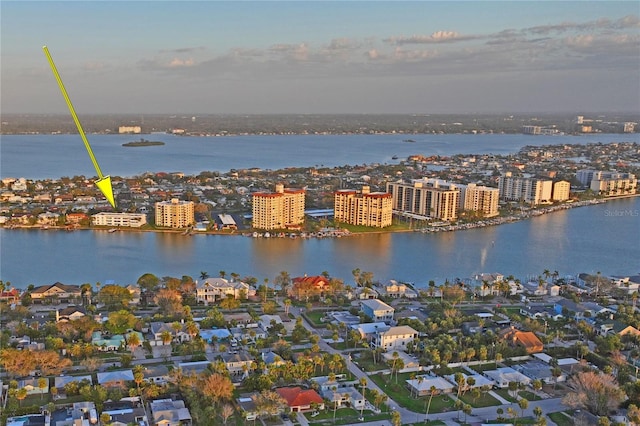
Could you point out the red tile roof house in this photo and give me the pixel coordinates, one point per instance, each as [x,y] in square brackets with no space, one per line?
[300,400]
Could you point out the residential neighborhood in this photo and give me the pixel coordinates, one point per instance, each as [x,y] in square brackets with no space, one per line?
[320,350]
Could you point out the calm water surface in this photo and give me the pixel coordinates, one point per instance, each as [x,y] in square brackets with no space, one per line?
[602,238]
[598,238]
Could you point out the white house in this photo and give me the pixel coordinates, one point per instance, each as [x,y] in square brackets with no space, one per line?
[213,289]
[395,338]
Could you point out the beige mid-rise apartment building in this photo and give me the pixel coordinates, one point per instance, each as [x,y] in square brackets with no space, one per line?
[175,213]
[281,209]
[425,198]
[561,190]
[481,199]
[363,208]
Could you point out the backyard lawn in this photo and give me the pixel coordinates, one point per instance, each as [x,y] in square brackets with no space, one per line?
[400,394]
[485,400]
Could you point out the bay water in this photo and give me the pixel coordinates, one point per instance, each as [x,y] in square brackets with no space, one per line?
[603,237]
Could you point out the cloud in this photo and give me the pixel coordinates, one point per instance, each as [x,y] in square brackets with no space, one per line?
[183,50]
[436,37]
[175,62]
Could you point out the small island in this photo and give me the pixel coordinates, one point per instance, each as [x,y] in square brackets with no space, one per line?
[143,142]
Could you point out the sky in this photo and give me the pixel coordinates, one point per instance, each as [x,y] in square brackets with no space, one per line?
[330,57]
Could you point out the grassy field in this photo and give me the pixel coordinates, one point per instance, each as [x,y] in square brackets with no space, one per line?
[368,365]
[529,396]
[344,416]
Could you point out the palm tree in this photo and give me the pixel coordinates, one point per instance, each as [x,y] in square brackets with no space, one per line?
[287,305]
[223,274]
[363,387]
[133,341]
[204,275]
[166,337]
[432,392]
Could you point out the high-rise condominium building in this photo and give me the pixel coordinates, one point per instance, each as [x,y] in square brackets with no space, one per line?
[175,213]
[278,210]
[480,199]
[532,191]
[363,208]
[426,198]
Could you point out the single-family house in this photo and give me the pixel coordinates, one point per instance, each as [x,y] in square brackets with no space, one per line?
[115,378]
[32,385]
[525,339]
[478,380]
[308,286]
[240,319]
[537,370]
[300,400]
[368,330]
[70,313]
[57,292]
[247,405]
[10,296]
[156,330]
[156,373]
[395,290]
[210,290]
[344,396]
[60,381]
[266,320]
[168,412]
[377,310]
[239,364]
[422,385]
[502,376]
[395,338]
[126,416]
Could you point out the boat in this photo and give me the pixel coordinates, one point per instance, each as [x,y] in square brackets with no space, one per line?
[408,140]
[112,230]
[143,142]
[395,157]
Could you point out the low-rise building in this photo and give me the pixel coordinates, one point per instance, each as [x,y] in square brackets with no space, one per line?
[125,220]
[57,292]
[377,310]
[167,412]
[395,338]
[396,290]
[299,400]
[211,290]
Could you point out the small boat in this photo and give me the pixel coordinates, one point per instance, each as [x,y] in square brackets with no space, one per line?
[395,157]
[112,230]
[408,140]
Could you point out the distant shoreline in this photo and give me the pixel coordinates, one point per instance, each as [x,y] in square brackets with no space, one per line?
[494,221]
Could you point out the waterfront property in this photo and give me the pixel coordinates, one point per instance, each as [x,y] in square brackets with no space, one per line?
[127,220]
[210,290]
[175,213]
[56,292]
[426,198]
[281,209]
[364,208]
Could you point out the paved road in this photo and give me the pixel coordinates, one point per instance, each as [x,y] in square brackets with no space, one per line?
[408,416]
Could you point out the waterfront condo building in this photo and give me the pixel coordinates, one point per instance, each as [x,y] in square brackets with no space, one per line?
[611,184]
[278,210]
[127,220]
[377,310]
[363,208]
[532,191]
[480,199]
[425,198]
[561,190]
[175,213]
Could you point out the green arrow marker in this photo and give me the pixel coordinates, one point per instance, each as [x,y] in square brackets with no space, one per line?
[104,182]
